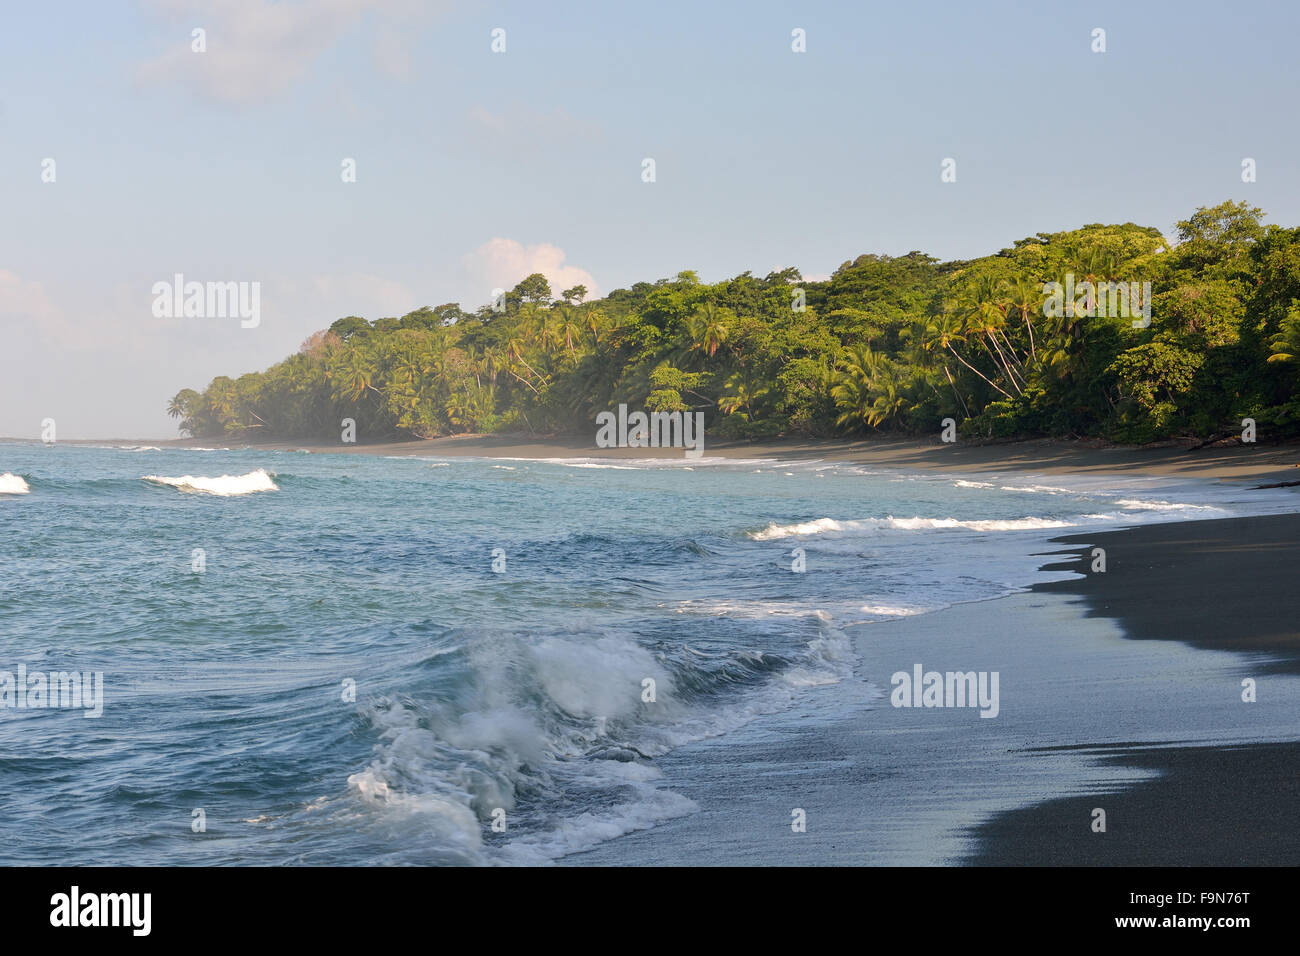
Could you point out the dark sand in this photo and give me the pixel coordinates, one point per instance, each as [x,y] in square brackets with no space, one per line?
[1211,806]
[1152,731]
[1254,463]
[1228,584]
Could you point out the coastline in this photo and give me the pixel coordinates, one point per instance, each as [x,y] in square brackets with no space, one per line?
[1237,463]
[1219,583]
[1151,730]
[1119,690]
[1225,584]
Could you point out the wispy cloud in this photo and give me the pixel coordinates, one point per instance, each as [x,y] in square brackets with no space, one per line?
[257,50]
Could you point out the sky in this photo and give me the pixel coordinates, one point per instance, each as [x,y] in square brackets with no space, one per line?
[475,168]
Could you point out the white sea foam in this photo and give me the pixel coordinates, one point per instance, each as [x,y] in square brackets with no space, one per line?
[541,706]
[13,484]
[224,486]
[803,677]
[1039,489]
[564,712]
[645,464]
[817,526]
[746,609]
[649,807]
[595,464]
[831,525]
[890,610]
[1136,504]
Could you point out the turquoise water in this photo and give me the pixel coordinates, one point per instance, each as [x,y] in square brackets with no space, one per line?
[518,696]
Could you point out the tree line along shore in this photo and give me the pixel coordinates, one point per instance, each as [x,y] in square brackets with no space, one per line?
[886,345]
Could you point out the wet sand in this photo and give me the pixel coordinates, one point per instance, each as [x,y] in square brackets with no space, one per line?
[1120,690]
[1226,585]
[1255,463]
[1121,693]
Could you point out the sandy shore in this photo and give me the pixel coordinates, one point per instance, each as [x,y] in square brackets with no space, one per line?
[1151,730]
[1227,584]
[1120,690]
[1209,806]
[1254,463]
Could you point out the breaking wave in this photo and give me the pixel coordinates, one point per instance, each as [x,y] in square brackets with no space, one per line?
[13,484]
[1135,504]
[560,732]
[831,525]
[225,485]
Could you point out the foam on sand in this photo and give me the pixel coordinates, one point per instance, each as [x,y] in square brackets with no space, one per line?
[830,525]
[11,484]
[1136,504]
[224,486]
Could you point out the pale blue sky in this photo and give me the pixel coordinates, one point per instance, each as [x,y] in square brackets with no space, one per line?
[475,168]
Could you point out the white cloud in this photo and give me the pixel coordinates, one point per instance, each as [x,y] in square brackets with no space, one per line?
[501,263]
[257,49]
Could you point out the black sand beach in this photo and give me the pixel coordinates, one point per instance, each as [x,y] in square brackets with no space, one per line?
[1184,612]
[1255,463]
[1210,806]
[1151,730]
[1228,585]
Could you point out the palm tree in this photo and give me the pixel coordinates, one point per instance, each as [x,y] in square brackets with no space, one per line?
[989,305]
[594,323]
[944,331]
[182,402]
[353,371]
[868,388]
[1027,298]
[569,328]
[707,329]
[515,350]
[546,332]
[494,359]
[1286,344]
[933,334]
[1094,265]
[746,389]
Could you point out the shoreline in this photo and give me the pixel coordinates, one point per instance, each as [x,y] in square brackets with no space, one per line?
[1095,713]
[1217,583]
[1120,690]
[1223,584]
[1254,464]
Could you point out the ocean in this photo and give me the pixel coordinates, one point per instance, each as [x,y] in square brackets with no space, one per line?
[359,659]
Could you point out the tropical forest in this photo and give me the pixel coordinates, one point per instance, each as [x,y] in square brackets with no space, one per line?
[885,345]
